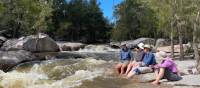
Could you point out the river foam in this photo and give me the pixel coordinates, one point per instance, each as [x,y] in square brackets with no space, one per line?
[53,74]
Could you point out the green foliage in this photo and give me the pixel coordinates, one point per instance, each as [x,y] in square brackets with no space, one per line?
[135,20]
[153,18]
[80,20]
[24,17]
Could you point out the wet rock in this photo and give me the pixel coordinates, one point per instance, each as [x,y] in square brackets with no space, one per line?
[41,43]
[69,46]
[73,54]
[8,59]
[2,40]
[115,44]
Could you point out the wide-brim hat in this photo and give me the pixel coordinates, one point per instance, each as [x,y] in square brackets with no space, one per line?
[147,46]
[141,45]
[162,54]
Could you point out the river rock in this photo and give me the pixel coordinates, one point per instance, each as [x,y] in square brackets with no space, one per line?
[14,44]
[186,67]
[162,42]
[8,59]
[41,43]
[188,80]
[69,46]
[2,40]
[186,47]
[115,45]
[146,77]
[132,43]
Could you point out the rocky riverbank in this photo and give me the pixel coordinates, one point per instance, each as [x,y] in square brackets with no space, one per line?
[190,77]
[42,47]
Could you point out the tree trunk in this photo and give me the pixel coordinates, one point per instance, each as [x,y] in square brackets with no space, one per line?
[195,47]
[180,35]
[172,40]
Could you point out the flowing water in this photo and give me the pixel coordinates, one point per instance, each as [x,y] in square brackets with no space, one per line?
[66,73]
[98,48]
[69,73]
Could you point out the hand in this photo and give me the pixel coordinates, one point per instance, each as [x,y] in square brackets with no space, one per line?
[155,66]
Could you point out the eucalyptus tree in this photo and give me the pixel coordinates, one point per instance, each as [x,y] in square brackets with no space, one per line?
[26,16]
[196,30]
[134,20]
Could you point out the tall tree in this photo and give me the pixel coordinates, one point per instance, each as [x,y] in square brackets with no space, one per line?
[26,16]
[134,20]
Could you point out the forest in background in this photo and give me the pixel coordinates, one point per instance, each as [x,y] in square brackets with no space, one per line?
[83,20]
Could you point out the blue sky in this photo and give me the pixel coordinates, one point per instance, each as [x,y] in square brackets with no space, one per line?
[107,7]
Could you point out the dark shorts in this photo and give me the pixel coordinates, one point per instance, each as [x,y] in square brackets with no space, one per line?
[169,75]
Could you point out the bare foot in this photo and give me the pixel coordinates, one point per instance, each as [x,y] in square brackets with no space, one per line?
[155,83]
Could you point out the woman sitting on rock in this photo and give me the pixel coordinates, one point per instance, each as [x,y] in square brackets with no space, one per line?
[167,69]
[138,57]
[145,65]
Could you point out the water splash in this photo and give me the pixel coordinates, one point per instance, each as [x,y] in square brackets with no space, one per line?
[98,48]
[53,74]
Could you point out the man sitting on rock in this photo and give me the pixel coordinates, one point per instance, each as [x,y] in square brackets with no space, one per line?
[146,64]
[125,58]
[166,69]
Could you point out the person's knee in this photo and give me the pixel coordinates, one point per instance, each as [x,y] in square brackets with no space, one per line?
[124,66]
[118,66]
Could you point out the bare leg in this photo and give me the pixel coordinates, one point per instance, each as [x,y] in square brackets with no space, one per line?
[129,68]
[159,76]
[123,69]
[118,68]
[130,74]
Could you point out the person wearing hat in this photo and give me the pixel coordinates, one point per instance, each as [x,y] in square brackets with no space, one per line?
[138,57]
[125,57]
[145,65]
[166,69]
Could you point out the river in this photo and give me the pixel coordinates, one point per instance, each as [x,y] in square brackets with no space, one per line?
[68,73]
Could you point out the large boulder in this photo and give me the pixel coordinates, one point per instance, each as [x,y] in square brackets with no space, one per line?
[2,40]
[8,59]
[162,42]
[69,46]
[132,43]
[115,44]
[14,44]
[40,43]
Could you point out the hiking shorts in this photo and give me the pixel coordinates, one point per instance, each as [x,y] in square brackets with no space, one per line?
[169,75]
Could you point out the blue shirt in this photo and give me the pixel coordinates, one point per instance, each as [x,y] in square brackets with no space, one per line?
[125,55]
[149,59]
